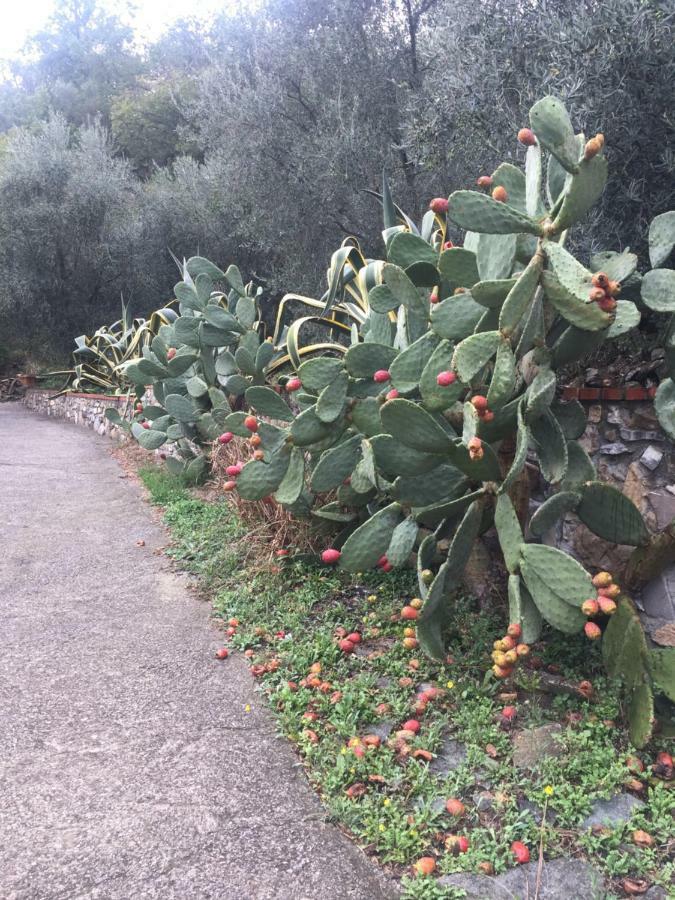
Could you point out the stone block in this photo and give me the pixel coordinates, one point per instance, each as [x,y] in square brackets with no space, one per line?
[651,457]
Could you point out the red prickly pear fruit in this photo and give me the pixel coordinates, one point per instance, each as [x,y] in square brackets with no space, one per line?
[387,567]
[426,865]
[381,376]
[170,353]
[479,403]
[485,181]
[293,384]
[526,137]
[514,630]
[409,612]
[596,295]
[499,194]
[590,607]
[330,556]
[457,843]
[382,561]
[592,631]
[455,807]
[233,471]
[222,653]
[614,288]
[475,447]
[354,637]
[225,438]
[439,205]
[411,725]
[522,650]
[162,455]
[448,245]
[229,486]
[508,643]
[602,580]
[255,440]
[594,146]
[607,605]
[139,407]
[251,423]
[445,379]
[392,394]
[280,554]
[509,713]
[586,688]
[346,646]
[145,425]
[488,416]
[607,304]
[521,853]
[433,296]
[601,280]
[612,591]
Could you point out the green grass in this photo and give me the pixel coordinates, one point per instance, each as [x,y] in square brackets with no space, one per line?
[291,616]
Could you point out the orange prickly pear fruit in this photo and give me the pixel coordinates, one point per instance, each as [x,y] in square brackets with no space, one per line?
[602,579]
[526,137]
[601,280]
[485,181]
[499,194]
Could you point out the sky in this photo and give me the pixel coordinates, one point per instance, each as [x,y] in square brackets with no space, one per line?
[152,17]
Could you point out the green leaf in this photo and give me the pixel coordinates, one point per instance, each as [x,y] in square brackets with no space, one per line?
[658,290]
[480,213]
[626,317]
[406,369]
[405,249]
[456,317]
[402,542]
[520,296]
[180,408]
[259,479]
[290,489]
[557,506]
[148,438]
[364,547]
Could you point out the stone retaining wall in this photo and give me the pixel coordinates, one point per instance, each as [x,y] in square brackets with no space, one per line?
[81,409]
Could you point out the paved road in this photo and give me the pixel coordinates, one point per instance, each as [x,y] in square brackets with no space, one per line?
[129,768]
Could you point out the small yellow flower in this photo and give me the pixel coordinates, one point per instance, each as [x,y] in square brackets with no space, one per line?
[450,685]
[548,790]
[343,751]
[247,708]
[381,827]
[413,832]
[386,801]
[372,598]
[352,771]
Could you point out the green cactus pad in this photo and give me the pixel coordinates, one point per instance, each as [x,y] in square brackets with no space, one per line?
[402,288]
[264,356]
[624,649]
[393,458]
[431,487]
[540,394]
[567,287]
[533,170]
[566,577]
[571,417]
[496,254]
[245,361]
[315,374]
[435,397]
[425,560]
[273,437]
[406,370]
[458,268]
[664,404]
[485,469]
[347,496]
[332,398]
[180,408]
[175,466]
[196,471]
[617,266]
[553,128]
[491,294]
[626,317]
[414,427]
[480,213]
[236,385]
[523,611]
[402,542]
[382,300]
[207,428]
[308,428]
[335,512]
[550,445]
[611,515]
[503,381]
[661,238]
[363,360]
[370,541]
[435,610]
[336,464]
[293,483]
[148,438]
[520,453]
[406,249]
[186,331]
[557,506]
[184,358]
[520,296]
[509,532]
[580,468]
[532,334]
[583,191]
[175,432]
[658,290]
[423,274]
[641,714]
[456,317]
[260,479]
[574,344]
[474,353]
[431,516]
[556,611]
[366,417]
[268,403]
[512,180]
[662,667]
[557,180]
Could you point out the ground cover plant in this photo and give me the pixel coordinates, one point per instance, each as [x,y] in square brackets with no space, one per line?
[417,436]
[414,757]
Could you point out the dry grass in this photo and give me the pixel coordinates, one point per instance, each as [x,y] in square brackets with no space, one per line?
[269,526]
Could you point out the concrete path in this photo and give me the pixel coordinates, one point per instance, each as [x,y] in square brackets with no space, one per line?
[129,768]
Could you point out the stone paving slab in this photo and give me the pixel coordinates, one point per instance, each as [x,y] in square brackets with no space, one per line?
[129,767]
